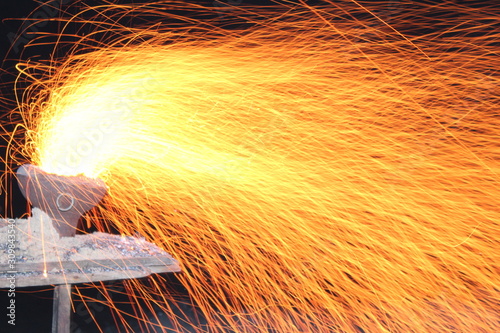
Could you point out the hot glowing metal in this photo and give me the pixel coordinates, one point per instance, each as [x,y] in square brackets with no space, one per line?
[65,199]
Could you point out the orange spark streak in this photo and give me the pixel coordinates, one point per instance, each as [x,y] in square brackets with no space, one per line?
[305,183]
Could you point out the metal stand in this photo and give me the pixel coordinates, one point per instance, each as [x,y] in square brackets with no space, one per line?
[61,315]
[64,274]
[64,199]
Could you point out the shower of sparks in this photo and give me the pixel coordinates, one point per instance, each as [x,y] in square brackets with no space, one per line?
[316,170]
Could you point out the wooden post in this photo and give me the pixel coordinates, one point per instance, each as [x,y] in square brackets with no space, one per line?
[61,313]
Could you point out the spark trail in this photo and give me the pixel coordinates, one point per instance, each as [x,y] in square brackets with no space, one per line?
[316,170]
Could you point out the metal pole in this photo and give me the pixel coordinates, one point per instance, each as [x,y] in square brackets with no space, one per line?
[61,314]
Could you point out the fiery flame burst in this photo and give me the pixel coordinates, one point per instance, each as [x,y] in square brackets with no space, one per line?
[314,169]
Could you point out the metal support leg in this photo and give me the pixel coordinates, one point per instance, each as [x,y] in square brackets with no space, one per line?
[61,314]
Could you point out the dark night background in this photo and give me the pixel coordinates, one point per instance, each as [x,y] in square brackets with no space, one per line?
[34,305]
